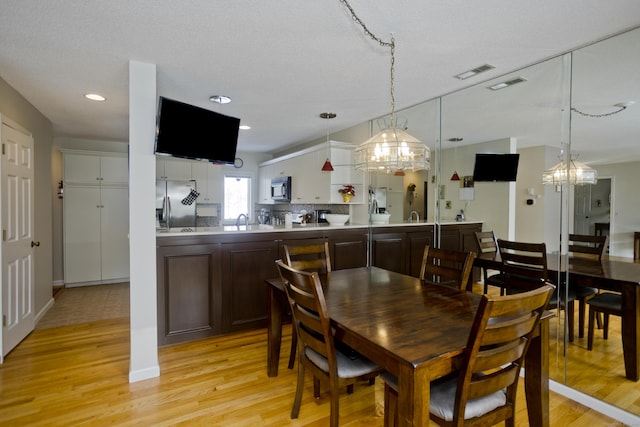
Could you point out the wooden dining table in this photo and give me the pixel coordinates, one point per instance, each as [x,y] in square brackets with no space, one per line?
[415,330]
[610,273]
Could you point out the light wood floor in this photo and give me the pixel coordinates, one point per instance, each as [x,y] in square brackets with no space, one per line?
[78,375]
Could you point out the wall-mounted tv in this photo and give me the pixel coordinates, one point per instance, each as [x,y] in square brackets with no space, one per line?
[495,167]
[192,132]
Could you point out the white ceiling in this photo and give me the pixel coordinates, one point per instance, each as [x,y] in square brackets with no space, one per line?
[282,62]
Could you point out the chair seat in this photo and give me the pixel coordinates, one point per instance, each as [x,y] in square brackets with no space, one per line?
[607,302]
[496,280]
[443,396]
[348,366]
[571,296]
[583,291]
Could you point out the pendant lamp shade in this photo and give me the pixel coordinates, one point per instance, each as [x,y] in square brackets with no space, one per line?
[391,150]
[327,167]
[578,173]
[455,176]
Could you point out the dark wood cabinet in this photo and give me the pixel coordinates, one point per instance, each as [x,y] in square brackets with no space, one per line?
[416,243]
[214,284]
[245,266]
[189,292]
[388,251]
[348,249]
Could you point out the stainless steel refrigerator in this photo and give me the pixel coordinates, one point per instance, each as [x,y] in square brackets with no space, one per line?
[176,203]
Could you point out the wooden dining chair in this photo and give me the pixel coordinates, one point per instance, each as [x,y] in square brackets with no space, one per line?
[487,244]
[525,268]
[588,246]
[308,257]
[316,347]
[483,392]
[607,303]
[447,267]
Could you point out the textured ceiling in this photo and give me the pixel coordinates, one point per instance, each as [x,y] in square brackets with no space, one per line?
[282,62]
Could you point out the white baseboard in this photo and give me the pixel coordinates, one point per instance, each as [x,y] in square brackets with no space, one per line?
[627,418]
[144,374]
[44,310]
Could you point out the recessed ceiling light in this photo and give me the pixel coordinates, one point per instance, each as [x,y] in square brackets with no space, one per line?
[245,127]
[94,97]
[507,83]
[220,99]
[475,71]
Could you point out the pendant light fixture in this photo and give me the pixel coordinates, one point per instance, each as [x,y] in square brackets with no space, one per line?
[392,149]
[327,167]
[575,174]
[455,176]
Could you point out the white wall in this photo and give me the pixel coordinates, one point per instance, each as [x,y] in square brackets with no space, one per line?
[625,205]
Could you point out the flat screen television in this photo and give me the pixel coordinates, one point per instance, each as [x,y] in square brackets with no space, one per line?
[192,132]
[495,167]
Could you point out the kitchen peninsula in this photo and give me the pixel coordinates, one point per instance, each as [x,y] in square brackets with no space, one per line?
[211,280]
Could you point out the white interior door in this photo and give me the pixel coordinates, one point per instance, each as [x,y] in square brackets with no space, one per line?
[18,318]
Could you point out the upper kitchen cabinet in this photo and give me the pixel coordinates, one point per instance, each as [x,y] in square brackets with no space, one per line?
[309,183]
[209,181]
[173,169]
[96,168]
[387,180]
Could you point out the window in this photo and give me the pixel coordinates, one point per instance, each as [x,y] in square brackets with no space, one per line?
[237,197]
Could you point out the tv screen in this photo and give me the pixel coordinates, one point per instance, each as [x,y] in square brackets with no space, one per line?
[495,167]
[192,132]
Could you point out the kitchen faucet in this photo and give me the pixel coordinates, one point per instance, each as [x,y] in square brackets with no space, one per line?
[246,220]
[411,216]
[374,206]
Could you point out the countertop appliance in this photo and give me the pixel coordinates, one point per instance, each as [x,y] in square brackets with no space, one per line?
[176,203]
[321,215]
[281,189]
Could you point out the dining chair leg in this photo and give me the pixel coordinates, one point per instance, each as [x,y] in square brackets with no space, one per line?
[294,347]
[592,318]
[335,406]
[316,387]
[605,327]
[581,312]
[571,319]
[295,411]
[390,406]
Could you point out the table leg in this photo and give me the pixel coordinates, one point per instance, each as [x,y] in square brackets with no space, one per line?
[274,332]
[413,397]
[536,379]
[631,329]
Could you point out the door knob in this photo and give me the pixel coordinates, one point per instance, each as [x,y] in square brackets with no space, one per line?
[36,243]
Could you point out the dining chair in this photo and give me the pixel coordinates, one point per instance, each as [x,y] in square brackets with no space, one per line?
[525,267]
[317,350]
[588,246]
[487,244]
[607,303]
[483,391]
[307,257]
[447,267]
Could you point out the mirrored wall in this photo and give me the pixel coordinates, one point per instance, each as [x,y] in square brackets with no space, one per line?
[560,107]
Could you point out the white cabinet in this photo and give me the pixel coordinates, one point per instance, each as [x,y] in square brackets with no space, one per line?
[173,169]
[209,181]
[311,185]
[387,180]
[92,169]
[96,219]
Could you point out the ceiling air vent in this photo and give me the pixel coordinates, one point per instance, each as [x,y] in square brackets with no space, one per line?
[507,83]
[475,71]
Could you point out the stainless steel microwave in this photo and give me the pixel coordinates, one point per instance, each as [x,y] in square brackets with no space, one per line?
[281,189]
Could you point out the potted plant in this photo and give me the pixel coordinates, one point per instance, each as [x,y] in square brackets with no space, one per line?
[347,191]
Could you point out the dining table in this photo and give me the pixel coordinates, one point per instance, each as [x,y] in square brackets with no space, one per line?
[615,274]
[415,330]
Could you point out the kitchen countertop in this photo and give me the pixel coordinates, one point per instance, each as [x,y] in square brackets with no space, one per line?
[262,228]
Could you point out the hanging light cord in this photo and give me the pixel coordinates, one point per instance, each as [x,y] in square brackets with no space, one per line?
[624,107]
[391,44]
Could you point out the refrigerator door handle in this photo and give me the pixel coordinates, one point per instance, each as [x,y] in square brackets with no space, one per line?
[168,211]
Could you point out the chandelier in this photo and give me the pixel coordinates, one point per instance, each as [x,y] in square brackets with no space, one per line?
[576,173]
[392,149]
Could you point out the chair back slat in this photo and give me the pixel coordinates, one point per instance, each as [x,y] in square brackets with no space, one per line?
[486,241]
[588,245]
[448,267]
[524,264]
[313,257]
